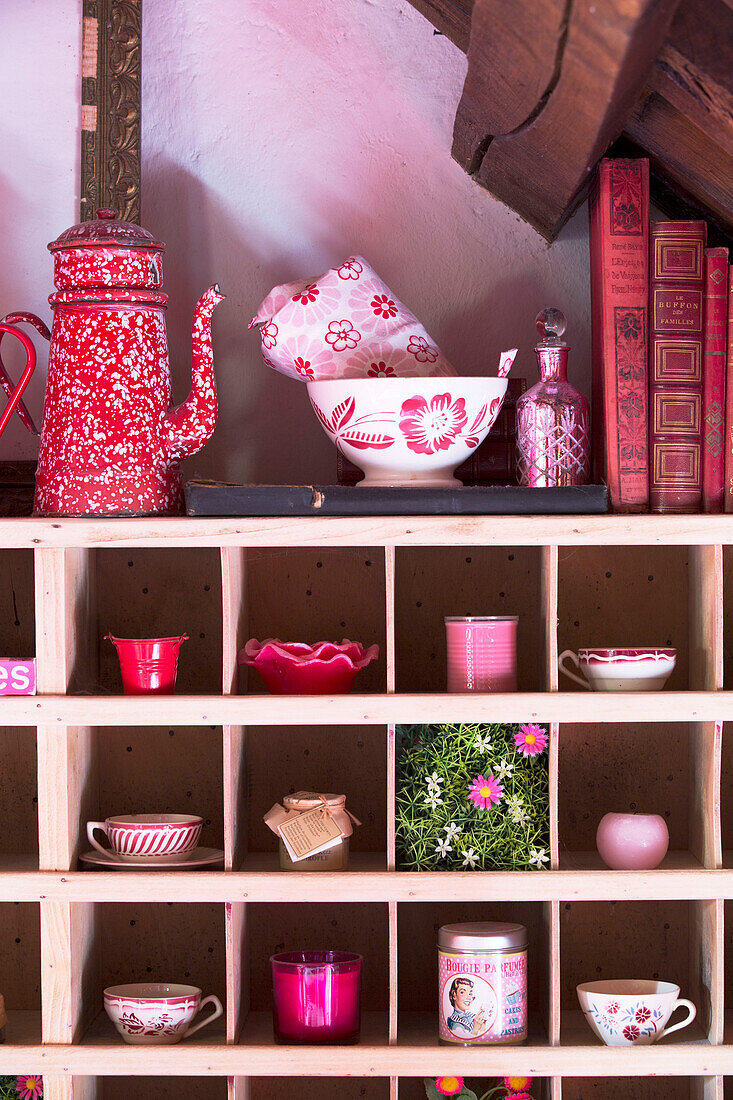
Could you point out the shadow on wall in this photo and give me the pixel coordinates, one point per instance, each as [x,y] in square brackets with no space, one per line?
[266,424]
[15,245]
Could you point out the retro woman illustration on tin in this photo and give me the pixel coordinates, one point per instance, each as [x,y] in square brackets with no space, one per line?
[463,1022]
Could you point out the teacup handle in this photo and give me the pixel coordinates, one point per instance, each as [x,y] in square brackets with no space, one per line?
[566,671]
[691,1014]
[218,1011]
[91,826]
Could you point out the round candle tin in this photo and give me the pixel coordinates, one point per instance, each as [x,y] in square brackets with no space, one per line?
[481,652]
[482,983]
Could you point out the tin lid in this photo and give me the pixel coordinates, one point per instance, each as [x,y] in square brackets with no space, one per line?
[482,936]
[106,230]
[481,619]
[308,800]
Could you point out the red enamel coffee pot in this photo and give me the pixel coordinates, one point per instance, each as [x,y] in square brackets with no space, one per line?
[110,442]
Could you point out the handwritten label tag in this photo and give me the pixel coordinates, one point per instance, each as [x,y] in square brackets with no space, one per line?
[308,833]
[17,677]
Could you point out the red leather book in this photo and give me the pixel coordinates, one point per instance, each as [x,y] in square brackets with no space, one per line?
[619,267]
[728,438]
[492,463]
[715,323]
[677,257]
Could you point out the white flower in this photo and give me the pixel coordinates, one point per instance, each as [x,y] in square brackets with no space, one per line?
[453,829]
[504,769]
[433,799]
[514,804]
[434,780]
[443,847]
[520,817]
[483,744]
[470,858]
[538,857]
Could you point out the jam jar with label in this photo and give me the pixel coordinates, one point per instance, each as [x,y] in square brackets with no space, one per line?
[332,859]
[482,983]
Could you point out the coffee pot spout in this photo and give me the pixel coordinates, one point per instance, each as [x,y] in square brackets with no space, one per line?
[190,425]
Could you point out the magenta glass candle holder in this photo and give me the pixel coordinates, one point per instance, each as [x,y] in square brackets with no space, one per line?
[482,652]
[316,996]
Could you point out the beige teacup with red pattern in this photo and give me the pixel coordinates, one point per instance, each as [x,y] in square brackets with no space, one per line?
[144,838]
[152,1014]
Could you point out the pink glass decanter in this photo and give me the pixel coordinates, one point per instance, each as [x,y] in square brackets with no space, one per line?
[553,419]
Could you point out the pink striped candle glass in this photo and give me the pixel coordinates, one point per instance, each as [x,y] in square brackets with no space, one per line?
[316,996]
[137,838]
[482,652]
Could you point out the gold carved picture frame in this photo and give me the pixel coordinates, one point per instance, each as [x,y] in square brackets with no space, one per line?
[111,108]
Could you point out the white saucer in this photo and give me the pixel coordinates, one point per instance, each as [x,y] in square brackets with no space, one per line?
[200,857]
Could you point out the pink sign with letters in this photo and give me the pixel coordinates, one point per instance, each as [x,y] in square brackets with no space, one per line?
[17,677]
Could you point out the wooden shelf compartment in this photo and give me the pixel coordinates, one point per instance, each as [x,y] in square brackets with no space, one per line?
[433,582]
[417,965]
[125,770]
[645,768]
[649,1088]
[20,969]
[726,794]
[652,596]
[152,1088]
[18,801]
[675,941]
[17,605]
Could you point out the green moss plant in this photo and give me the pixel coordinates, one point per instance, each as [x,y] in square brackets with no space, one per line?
[473,797]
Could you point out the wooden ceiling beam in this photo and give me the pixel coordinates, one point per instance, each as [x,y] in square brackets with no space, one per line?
[550,84]
[682,118]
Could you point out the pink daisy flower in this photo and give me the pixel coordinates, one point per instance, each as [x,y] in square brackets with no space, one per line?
[518,1084]
[530,740]
[485,791]
[29,1086]
[449,1086]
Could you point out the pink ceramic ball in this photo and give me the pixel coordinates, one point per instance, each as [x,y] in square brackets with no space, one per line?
[632,842]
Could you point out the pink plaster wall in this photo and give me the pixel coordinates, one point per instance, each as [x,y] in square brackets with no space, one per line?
[278,137]
[40,92]
[281,135]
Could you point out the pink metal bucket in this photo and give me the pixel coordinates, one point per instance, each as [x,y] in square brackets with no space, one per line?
[482,653]
[148,665]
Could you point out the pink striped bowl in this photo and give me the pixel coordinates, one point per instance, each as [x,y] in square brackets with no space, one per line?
[136,838]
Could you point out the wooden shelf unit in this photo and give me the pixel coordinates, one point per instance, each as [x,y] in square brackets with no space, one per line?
[388,580]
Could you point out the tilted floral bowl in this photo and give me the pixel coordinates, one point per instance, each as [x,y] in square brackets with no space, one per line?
[296,668]
[407,431]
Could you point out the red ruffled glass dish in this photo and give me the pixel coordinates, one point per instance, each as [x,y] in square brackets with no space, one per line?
[296,668]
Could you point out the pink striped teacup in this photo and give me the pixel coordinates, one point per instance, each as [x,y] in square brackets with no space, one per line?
[141,838]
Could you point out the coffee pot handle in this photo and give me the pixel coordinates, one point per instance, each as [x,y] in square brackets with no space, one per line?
[15,392]
[568,653]
[15,319]
[218,1011]
[691,1014]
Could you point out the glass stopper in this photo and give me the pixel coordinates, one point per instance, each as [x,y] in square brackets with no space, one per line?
[551,324]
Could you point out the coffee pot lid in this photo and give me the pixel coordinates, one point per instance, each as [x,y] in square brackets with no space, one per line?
[106,229]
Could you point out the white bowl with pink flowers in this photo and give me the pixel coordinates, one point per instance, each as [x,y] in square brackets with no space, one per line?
[407,431]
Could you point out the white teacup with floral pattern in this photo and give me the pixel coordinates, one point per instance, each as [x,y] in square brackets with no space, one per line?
[153,1013]
[633,1012]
